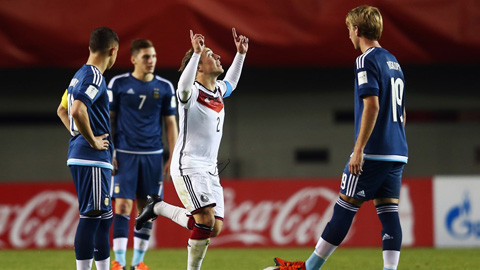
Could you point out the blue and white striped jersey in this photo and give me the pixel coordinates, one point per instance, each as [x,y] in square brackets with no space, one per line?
[88,85]
[378,73]
[139,107]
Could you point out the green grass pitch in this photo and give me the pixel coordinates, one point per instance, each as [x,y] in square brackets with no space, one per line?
[257,258]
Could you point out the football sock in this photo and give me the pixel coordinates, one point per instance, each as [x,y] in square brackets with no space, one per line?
[198,245]
[120,250]
[178,215]
[314,262]
[85,238]
[390,259]
[102,241]
[120,237]
[337,228]
[322,251]
[84,264]
[391,234]
[103,264]
[140,243]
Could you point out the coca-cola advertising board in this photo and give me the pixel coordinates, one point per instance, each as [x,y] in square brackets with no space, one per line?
[258,213]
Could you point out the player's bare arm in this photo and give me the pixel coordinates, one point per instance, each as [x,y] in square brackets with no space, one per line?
[63,115]
[369,118]
[62,111]
[113,122]
[80,116]
[172,135]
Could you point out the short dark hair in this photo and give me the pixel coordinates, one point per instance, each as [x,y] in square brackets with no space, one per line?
[138,44]
[102,39]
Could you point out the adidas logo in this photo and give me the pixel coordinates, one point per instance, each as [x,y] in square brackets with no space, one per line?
[361,193]
[130,91]
[386,237]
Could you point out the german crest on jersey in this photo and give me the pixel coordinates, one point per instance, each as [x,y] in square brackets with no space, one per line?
[214,103]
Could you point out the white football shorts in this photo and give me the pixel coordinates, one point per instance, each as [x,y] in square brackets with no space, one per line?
[198,190]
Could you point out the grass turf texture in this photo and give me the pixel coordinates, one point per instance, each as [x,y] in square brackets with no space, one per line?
[257,259]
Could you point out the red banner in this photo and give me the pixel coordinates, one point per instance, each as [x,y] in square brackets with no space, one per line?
[259,213]
[39,33]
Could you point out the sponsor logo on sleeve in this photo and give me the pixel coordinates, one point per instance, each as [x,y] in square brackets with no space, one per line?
[91,91]
[362,77]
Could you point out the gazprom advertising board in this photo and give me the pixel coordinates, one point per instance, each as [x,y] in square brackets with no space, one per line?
[456,211]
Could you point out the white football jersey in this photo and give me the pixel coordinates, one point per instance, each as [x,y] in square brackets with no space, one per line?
[201,127]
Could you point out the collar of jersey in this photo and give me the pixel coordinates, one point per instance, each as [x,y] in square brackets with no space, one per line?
[206,90]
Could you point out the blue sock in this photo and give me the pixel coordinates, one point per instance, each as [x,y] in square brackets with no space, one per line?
[120,230]
[120,226]
[314,262]
[138,256]
[337,228]
[392,231]
[85,238]
[102,241]
[141,235]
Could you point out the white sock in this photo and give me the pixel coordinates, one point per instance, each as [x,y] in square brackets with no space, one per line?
[196,252]
[84,264]
[120,243]
[176,214]
[120,249]
[391,258]
[323,249]
[103,264]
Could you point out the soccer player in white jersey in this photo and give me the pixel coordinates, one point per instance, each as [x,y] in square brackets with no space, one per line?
[374,171]
[90,150]
[141,103]
[194,163]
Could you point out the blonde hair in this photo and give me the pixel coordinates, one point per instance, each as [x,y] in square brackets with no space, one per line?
[368,20]
[187,57]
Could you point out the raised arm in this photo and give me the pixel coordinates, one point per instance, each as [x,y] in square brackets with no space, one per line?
[189,73]
[235,70]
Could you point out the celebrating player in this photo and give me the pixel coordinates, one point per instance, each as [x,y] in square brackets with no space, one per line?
[375,168]
[140,100]
[194,163]
[90,150]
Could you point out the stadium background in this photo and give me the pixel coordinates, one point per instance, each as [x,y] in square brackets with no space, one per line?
[291,117]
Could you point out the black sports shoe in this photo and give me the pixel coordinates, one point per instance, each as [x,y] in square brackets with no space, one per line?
[147,212]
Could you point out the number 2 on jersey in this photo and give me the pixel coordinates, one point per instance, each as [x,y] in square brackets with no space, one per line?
[397,97]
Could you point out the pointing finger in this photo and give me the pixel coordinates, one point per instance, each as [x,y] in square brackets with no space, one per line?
[234,32]
[191,34]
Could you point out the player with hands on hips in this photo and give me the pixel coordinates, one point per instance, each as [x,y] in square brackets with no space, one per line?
[194,162]
[90,151]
